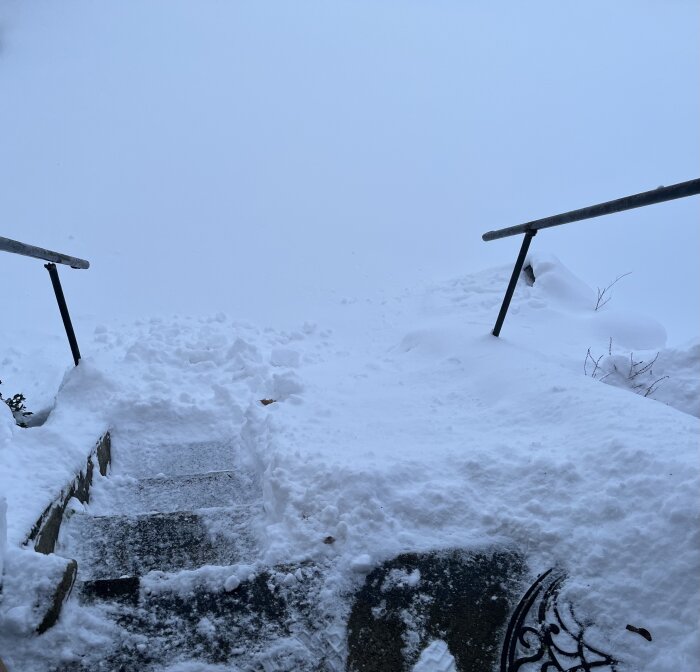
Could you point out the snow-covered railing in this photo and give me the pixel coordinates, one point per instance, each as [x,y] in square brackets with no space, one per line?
[530,229]
[15,247]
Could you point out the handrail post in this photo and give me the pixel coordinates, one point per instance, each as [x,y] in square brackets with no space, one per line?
[61,299]
[529,235]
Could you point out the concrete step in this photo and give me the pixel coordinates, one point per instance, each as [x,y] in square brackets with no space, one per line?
[167,494]
[115,546]
[268,621]
[178,459]
[293,618]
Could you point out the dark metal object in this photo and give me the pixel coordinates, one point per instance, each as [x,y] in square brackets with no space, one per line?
[14,246]
[529,235]
[542,637]
[681,190]
[56,282]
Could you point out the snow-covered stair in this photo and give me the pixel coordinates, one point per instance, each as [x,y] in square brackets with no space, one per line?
[266,621]
[114,546]
[167,552]
[166,494]
[172,459]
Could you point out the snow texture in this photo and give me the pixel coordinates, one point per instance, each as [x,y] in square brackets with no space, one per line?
[409,427]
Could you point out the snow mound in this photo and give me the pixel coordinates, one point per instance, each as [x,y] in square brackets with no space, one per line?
[408,426]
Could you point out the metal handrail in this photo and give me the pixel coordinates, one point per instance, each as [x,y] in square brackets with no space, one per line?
[15,247]
[680,190]
[530,229]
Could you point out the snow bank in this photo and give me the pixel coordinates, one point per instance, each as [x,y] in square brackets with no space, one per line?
[431,433]
[150,382]
[669,375]
[7,429]
[407,426]
[38,462]
[3,534]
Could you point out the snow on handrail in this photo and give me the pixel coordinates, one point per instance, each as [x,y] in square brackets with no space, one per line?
[680,190]
[15,247]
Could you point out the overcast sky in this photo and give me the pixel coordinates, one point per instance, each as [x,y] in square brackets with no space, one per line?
[269,158]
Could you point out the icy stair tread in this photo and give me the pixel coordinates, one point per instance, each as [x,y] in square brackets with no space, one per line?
[178,459]
[167,494]
[115,546]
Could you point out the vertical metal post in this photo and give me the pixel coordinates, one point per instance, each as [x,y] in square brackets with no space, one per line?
[56,282]
[529,235]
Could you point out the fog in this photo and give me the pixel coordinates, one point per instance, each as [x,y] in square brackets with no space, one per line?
[269,159]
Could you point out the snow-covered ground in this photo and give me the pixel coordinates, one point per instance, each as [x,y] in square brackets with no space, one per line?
[405,425]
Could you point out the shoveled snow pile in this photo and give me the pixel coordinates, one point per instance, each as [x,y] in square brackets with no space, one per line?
[402,424]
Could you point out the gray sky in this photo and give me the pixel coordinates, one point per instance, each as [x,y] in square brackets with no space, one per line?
[265,158]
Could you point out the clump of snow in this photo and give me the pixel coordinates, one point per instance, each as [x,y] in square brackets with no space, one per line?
[27,590]
[7,429]
[7,424]
[362,564]
[398,578]
[559,284]
[231,583]
[209,577]
[436,657]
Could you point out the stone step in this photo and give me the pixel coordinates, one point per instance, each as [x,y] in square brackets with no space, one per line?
[115,546]
[167,494]
[268,620]
[177,459]
[447,609]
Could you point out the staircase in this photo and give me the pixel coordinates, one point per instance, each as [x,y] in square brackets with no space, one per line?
[167,553]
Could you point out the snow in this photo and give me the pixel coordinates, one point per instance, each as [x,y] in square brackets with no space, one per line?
[3,532]
[407,426]
[435,657]
[296,167]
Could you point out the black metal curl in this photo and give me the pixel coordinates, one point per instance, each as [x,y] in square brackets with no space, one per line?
[540,639]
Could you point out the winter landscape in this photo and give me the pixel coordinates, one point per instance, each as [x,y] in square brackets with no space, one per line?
[320,458]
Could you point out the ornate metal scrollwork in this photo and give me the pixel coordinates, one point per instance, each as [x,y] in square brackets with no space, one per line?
[542,636]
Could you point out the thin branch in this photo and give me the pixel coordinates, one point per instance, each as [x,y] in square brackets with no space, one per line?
[648,366]
[602,292]
[633,364]
[596,363]
[652,389]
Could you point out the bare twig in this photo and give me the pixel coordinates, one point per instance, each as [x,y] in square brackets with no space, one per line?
[633,364]
[651,389]
[602,298]
[596,363]
[637,368]
[646,367]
